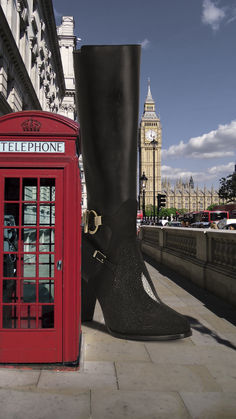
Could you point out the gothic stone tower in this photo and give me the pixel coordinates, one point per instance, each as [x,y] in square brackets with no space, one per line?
[150,129]
[67,43]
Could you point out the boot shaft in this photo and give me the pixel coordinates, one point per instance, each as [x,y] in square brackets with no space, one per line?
[107,82]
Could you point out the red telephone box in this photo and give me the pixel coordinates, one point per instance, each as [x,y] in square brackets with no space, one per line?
[40,218]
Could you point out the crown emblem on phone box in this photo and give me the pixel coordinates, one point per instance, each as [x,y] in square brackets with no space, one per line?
[31,125]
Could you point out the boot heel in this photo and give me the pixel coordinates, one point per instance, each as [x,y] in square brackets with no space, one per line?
[88,301]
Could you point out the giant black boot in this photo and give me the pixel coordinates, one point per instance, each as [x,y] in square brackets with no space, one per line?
[113,271]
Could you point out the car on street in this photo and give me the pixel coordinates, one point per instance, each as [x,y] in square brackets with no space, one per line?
[225,223]
[231,227]
[174,224]
[200,224]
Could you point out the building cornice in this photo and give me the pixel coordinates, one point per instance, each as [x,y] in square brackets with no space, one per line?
[16,59]
[4,105]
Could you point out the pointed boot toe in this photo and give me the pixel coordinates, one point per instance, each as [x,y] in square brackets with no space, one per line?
[135,310]
[130,304]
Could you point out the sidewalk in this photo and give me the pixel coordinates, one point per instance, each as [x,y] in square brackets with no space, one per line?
[189,378]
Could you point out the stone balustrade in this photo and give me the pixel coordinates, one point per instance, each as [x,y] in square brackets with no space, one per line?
[205,257]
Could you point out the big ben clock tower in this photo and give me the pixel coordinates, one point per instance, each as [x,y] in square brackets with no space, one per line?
[150,139]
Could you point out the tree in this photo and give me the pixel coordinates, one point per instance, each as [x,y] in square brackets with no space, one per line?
[211,207]
[167,212]
[182,211]
[149,210]
[227,190]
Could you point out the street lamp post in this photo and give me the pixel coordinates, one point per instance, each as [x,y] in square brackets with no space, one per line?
[189,202]
[154,144]
[143,180]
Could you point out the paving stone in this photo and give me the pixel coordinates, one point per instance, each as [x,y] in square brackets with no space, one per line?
[164,377]
[18,378]
[173,301]
[116,350]
[163,290]
[189,311]
[28,405]
[199,310]
[77,381]
[95,367]
[177,290]
[230,337]
[212,337]
[200,355]
[92,335]
[218,323]
[169,284]
[208,338]
[202,332]
[137,405]
[191,301]
[210,405]
[225,375]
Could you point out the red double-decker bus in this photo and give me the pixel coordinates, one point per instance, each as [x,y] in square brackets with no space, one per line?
[205,216]
[140,215]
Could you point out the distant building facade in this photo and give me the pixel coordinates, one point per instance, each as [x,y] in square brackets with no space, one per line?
[183,194]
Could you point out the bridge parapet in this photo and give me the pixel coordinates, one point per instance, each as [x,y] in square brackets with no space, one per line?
[205,257]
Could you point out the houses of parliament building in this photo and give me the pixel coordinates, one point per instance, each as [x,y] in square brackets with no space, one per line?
[184,193]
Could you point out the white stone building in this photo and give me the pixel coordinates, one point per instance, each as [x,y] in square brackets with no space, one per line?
[67,44]
[36,61]
[31,72]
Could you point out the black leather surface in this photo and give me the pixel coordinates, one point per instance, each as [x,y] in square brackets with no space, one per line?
[107,82]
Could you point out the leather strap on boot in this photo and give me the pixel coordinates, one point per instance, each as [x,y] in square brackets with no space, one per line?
[93,260]
[122,226]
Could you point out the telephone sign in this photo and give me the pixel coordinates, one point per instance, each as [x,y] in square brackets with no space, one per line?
[32,147]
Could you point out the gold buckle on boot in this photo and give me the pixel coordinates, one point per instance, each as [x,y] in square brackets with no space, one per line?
[99,256]
[97,221]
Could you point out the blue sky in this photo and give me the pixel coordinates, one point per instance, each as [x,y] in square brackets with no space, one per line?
[188,51]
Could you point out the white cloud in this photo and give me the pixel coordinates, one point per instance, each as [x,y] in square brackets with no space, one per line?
[215,144]
[211,14]
[211,174]
[232,18]
[145,43]
[174,173]
[222,168]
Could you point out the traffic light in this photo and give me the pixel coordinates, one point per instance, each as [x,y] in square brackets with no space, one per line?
[161,199]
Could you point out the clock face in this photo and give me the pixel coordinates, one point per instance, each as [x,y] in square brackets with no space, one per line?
[151,135]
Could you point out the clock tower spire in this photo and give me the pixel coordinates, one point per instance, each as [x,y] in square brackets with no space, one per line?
[149,105]
[150,140]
